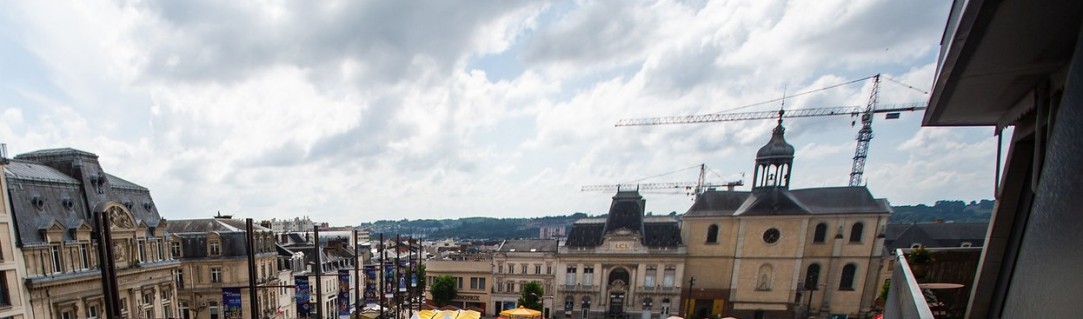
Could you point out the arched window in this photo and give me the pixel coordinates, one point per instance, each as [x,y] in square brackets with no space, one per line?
[855,232]
[712,234]
[812,277]
[847,281]
[821,233]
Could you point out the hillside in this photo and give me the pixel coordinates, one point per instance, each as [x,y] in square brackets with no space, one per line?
[509,228]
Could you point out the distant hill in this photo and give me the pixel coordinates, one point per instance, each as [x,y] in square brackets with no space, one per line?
[946,210]
[516,228]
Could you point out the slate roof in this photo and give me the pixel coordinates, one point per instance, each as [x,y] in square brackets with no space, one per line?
[121,183]
[26,170]
[56,152]
[529,245]
[821,200]
[193,234]
[47,187]
[626,212]
[934,235]
[207,225]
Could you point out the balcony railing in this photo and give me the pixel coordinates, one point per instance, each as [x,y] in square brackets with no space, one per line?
[578,288]
[905,299]
[657,289]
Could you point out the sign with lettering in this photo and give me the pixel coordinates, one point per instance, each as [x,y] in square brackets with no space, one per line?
[467,298]
[622,245]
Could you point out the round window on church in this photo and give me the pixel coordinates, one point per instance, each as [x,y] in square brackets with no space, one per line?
[771,235]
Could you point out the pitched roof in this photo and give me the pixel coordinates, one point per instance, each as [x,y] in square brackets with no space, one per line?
[821,200]
[26,170]
[934,235]
[206,225]
[121,183]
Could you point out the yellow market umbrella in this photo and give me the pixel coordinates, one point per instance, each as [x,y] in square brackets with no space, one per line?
[520,313]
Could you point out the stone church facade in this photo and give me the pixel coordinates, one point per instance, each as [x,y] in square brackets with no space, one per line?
[776,252]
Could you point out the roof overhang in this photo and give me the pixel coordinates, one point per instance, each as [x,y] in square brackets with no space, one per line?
[994,52]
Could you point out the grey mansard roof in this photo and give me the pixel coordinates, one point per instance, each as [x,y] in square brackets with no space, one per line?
[206,225]
[63,186]
[626,214]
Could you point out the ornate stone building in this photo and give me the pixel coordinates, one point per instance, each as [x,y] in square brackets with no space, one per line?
[776,252]
[53,195]
[626,264]
[213,256]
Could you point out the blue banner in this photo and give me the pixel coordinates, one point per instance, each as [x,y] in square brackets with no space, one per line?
[343,293]
[402,282]
[231,301]
[389,280]
[303,294]
[370,286]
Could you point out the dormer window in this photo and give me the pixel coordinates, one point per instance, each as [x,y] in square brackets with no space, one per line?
[215,248]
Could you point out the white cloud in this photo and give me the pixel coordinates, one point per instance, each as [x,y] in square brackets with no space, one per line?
[364,111]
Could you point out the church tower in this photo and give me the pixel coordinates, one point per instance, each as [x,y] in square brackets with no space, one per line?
[774,161]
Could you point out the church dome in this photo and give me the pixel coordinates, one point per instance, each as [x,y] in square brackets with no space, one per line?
[776,148]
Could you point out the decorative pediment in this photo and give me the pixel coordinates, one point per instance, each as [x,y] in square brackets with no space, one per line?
[119,217]
[81,232]
[52,231]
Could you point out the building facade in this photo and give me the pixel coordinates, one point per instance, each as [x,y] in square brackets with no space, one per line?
[53,195]
[518,262]
[12,268]
[214,256]
[474,279]
[780,253]
[626,264]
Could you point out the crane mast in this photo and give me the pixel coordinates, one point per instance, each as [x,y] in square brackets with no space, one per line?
[864,135]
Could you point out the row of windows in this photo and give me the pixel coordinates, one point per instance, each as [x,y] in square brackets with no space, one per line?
[511,286]
[523,269]
[819,236]
[648,279]
[846,281]
[476,283]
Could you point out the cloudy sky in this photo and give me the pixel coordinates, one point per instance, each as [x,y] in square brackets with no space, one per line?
[357,111]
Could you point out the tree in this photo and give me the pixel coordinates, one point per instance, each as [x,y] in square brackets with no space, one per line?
[531,296]
[444,288]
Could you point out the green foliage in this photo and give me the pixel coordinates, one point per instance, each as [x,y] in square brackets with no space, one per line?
[919,255]
[947,210]
[444,289]
[885,290]
[531,296]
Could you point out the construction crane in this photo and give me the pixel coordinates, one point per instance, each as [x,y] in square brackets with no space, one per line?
[865,112]
[691,188]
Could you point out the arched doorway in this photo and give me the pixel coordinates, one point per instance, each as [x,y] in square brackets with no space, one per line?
[617,285]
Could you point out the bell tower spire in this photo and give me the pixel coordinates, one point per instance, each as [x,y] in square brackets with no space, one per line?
[774,161]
